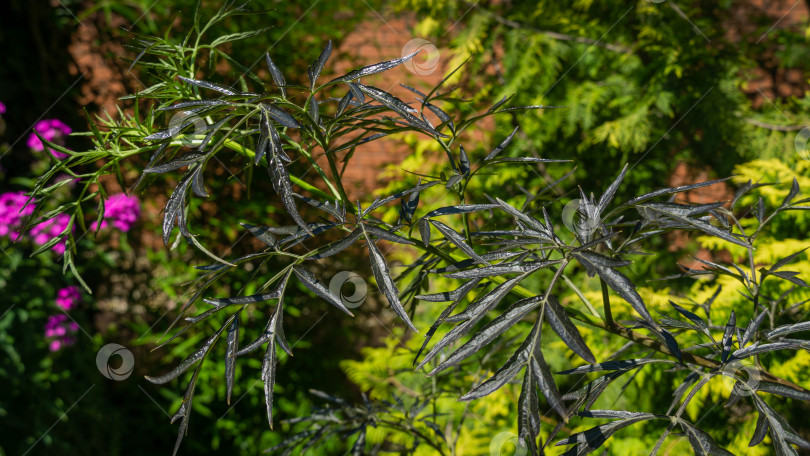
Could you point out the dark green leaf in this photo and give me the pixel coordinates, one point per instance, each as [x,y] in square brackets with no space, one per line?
[373,69]
[565,328]
[314,70]
[384,281]
[316,286]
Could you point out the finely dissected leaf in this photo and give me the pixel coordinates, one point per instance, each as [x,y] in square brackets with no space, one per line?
[760,431]
[502,269]
[283,186]
[335,209]
[495,328]
[269,377]
[207,85]
[464,264]
[794,190]
[603,266]
[590,440]
[408,205]
[481,306]
[339,246]
[457,239]
[698,224]
[461,209]
[752,328]
[268,335]
[786,260]
[190,360]
[387,235]
[175,209]
[791,277]
[504,374]
[459,295]
[238,300]
[565,328]
[400,107]
[314,111]
[314,70]
[424,231]
[261,233]
[535,225]
[528,412]
[728,334]
[276,74]
[787,329]
[463,161]
[615,365]
[384,281]
[175,164]
[783,390]
[671,190]
[545,382]
[699,322]
[607,197]
[701,442]
[758,348]
[280,116]
[501,146]
[782,433]
[230,357]
[316,286]
[373,69]
[450,295]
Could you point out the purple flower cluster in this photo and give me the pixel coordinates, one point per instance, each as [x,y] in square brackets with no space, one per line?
[12,213]
[61,331]
[53,130]
[67,298]
[2,108]
[122,210]
[49,229]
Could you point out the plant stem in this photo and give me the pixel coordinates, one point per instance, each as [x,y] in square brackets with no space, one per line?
[606,304]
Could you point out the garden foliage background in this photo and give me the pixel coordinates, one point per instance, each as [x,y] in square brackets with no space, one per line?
[682,91]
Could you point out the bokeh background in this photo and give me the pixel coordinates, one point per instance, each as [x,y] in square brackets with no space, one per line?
[682,90]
